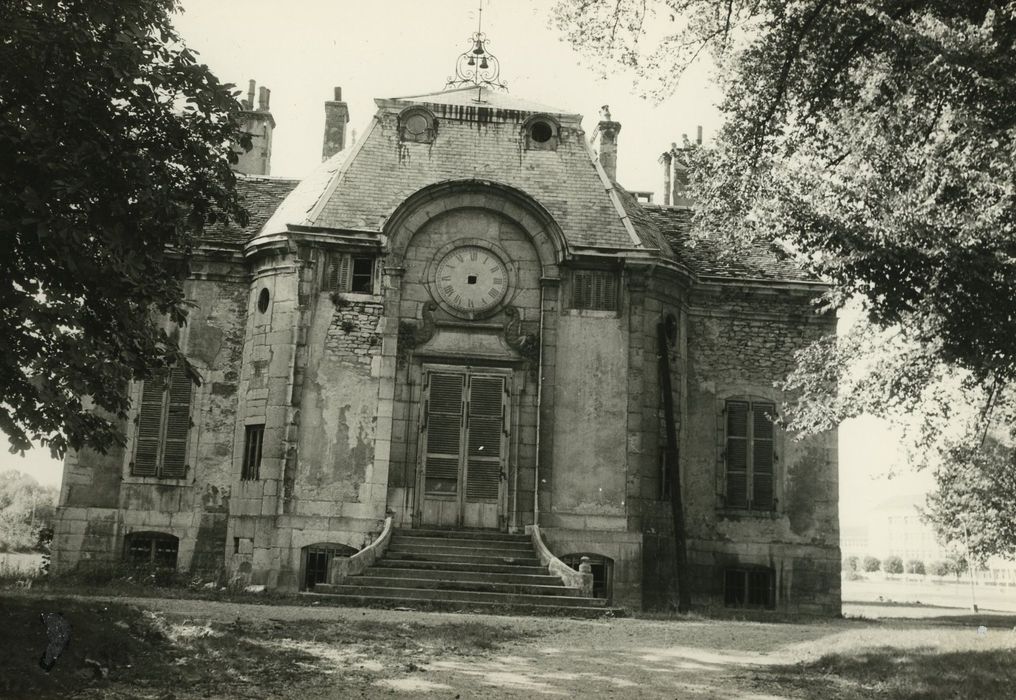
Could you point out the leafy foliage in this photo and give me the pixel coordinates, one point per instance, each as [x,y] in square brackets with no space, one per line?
[975,505]
[26,512]
[939,567]
[915,566]
[871,563]
[851,563]
[116,147]
[892,564]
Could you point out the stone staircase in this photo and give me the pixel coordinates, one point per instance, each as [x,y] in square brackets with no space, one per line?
[463,570]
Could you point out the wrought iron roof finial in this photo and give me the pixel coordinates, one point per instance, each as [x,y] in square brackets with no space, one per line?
[477,66]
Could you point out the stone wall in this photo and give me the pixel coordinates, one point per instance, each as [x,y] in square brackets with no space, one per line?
[741,340]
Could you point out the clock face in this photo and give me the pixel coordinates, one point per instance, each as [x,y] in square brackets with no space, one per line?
[471,279]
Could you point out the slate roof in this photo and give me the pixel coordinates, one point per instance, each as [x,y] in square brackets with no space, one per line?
[261,196]
[707,257]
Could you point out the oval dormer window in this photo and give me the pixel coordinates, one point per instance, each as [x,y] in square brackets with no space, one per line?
[542,133]
[417,124]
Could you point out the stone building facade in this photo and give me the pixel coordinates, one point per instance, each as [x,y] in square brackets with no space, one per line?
[458,321]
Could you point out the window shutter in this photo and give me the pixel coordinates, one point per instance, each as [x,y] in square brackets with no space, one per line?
[485,421]
[737,454]
[337,273]
[443,439]
[174,453]
[146,452]
[762,455]
[594,290]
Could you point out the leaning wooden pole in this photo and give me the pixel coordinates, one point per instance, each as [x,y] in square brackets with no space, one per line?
[673,472]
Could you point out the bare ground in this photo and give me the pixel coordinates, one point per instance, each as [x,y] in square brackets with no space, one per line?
[181,649]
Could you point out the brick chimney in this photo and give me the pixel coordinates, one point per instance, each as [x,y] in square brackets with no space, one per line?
[604,142]
[336,118]
[259,123]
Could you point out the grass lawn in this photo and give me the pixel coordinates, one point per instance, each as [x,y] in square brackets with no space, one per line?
[179,648]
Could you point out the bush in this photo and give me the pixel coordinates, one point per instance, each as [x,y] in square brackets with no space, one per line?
[851,564]
[871,563]
[915,566]
[892,564]
[938,568]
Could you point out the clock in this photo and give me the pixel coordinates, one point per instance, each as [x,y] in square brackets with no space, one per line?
[471,279]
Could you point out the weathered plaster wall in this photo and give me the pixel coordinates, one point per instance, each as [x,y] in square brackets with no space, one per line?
[102,502]
[587,474]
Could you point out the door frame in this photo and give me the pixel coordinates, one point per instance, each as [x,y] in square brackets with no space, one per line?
[467,369]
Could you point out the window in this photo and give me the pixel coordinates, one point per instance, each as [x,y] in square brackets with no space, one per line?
[156,548]
[263,299]
[541,134]
[417,124]
[750,455]
[255,435]
[163,422]
[345,272]
[749,588]
[317,558]
[594,290]
[602,569]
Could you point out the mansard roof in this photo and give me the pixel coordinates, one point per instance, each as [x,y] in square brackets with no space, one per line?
[482,141]
[758,262]
[261,196]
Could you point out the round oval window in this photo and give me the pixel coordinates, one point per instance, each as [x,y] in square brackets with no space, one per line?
[263,300]
[416,124]
[541,132]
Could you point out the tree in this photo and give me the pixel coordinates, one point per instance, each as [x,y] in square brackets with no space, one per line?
[26,509]
[875,141]
[871,564]
[851,564]
[116,148]
[938,568]
[892,564]
[915,566]
[975,504]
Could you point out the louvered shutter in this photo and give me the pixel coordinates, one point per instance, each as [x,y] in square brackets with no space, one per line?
[443,440]
[485,424]
[762,455]
[149,435]
[737,454]
[337,273]
[174,451]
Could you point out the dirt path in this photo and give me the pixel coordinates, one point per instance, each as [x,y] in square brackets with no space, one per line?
[620,658]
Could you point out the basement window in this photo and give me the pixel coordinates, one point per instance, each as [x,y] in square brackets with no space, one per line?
[252,446]
[317,558]
[602,569]
[346,272]
[155,548]
[749,588]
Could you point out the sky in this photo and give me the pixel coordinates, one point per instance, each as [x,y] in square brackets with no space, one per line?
[301,49]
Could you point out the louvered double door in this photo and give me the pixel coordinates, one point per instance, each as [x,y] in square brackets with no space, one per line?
[464,444]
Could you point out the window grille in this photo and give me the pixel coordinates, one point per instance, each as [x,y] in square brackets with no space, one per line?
[162,425]
[157,548]
[749,588]
[252,444]
[345,272]
[594,290]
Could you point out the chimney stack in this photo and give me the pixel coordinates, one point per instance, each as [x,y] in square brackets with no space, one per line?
[336,119]
[260,124]
[675,176]
[604,142]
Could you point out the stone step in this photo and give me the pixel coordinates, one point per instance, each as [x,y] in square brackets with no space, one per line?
[500,552]
[471,606]
[436,594]
[542,579]
[381,580]
[465,542]
[461,534]
[501,560]
[407,563]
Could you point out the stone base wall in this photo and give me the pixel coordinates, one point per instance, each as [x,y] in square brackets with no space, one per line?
[624,549]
